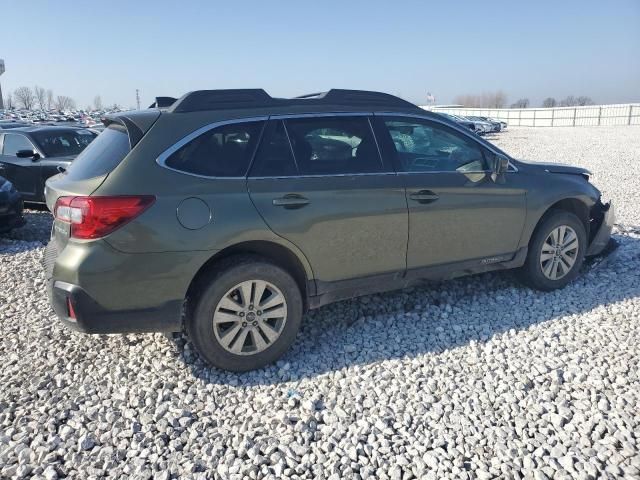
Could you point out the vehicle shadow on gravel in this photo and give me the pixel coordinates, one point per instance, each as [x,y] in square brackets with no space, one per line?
[432,319]
[34,234]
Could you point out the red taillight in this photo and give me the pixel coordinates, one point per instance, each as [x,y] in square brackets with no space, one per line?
[72,312]
[95,217]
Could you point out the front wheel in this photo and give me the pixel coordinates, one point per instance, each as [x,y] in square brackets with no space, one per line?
[556,252]
[246,316]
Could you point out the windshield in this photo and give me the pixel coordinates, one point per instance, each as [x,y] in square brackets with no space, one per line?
[62,143]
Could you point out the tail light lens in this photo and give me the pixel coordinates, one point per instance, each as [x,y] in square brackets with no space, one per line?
[95,217]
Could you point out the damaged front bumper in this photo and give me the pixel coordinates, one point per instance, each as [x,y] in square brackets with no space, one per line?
[602,219]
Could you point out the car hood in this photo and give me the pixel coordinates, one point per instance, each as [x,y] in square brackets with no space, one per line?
[559,168]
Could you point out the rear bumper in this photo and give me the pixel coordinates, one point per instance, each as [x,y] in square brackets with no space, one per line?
[113,292]
[78,311]
[603,233]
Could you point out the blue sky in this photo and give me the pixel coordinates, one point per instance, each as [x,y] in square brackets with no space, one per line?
[528,49]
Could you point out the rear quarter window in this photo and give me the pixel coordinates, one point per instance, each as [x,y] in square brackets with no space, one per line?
[225,151]
[102,155]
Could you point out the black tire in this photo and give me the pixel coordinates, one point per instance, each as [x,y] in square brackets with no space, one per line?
[531,273]
[231,272]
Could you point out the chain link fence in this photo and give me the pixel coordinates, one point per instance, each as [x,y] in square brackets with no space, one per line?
[592,115]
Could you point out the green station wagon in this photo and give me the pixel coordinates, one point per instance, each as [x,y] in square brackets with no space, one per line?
[229,213]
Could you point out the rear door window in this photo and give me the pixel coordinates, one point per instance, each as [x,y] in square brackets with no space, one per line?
[225,151]
[334,145]
[102,155]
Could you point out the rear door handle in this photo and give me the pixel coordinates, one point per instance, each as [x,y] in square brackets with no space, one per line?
[291,201]
[424,196]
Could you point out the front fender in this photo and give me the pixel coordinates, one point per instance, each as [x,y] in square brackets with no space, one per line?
[551,193]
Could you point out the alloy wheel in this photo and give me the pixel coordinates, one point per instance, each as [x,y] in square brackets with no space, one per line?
[559,252]
[250,317]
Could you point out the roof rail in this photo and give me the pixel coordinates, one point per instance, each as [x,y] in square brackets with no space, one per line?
[163,102]
[223,99]
[365,97]
[201,100]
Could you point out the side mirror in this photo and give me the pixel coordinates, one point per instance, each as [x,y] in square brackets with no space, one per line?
[500,165]
[28,154]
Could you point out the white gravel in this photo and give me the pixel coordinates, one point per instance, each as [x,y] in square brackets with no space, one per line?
[475,378]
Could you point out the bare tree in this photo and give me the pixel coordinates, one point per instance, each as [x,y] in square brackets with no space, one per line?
[49,99]
[24,97]
[64,103]
[549,102]
[521,103]
[499,99]
[496,99]
[97,102]
[41,97]
[582,100]
[8,101]
[570,101]
[465,100]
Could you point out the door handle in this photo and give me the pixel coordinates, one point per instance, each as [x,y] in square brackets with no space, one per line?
[291,201]
[424,196]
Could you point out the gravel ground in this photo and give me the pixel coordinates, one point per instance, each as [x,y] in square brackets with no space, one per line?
[474,378]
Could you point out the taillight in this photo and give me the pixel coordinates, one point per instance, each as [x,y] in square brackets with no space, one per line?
[95,217]
[70,310]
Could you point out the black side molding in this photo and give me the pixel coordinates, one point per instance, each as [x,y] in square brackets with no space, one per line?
[329,292]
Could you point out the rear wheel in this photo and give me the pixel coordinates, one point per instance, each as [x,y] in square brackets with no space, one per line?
[246,315]
[556,251]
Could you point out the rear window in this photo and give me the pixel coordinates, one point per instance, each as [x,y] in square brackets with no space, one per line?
[102,155]
[61,143]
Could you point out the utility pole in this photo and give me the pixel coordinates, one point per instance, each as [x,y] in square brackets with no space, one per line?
[1,97]
[138,98]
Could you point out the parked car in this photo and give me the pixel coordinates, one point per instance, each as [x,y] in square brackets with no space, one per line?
[463,121]
[10,207]
[481,126]
[503,124]
[7,125]
[493,125]
[30,155]
[231,213]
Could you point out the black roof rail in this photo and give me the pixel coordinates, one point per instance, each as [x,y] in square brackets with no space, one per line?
[312,95]
[223,99]
[365,97]
[163,102]
[201,100]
